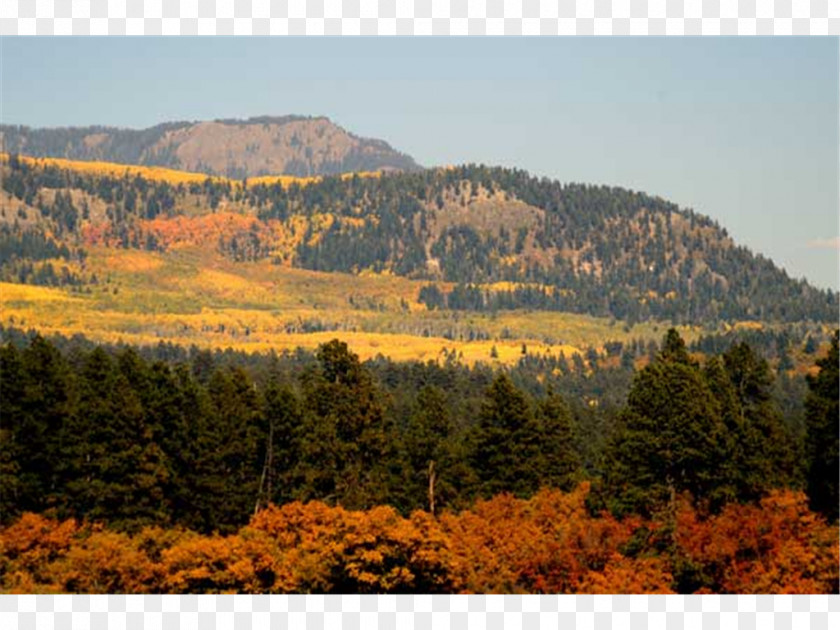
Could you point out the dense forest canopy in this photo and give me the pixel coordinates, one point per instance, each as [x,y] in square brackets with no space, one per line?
[104,435]
[68,407]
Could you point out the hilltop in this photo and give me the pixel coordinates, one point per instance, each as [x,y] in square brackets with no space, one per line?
[267,145]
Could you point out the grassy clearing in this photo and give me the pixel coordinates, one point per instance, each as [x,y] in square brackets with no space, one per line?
[161,174]
[191,296]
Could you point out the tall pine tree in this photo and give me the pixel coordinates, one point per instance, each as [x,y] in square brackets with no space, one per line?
[506,442]
[821,407]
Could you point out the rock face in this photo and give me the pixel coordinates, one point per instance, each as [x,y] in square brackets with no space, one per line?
[290,145]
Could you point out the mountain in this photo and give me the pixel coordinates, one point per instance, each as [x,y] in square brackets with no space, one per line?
[477,238]
[292,145]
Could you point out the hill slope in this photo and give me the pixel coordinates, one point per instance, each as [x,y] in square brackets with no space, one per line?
[479,238]
[291,145]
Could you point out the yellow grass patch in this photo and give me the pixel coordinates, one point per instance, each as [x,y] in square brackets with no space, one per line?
[747,325]
[134,261]
[194,296]
[28,293]
[110,169]
[161,174]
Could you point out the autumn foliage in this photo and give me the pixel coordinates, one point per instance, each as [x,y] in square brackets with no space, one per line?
[547,544]
[777,546]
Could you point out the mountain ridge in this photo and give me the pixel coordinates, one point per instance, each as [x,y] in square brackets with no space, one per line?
[295,145]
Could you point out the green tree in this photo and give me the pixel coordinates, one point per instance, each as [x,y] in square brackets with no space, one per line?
[345,442]
[821,407]
[740,480]
[13,494]
[506,448]
[115,470]
[232,447]
[281,427]
[46,407]
[669,437]
[434,469]
[193,444]
[559,461]
[765,444]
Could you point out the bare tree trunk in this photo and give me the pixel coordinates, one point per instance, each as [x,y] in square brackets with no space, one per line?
[432,487]
[267,468]
[270,474]
[259,490]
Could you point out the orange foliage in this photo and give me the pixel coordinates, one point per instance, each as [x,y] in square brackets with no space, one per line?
[779,546]
[183,230]
[549,543]
[105,562]
[233,564]
[29,549]
[320,548]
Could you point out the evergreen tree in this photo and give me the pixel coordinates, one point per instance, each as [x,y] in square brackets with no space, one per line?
[281,428]
[193,444]
[345,440]
[740,481]
[433,467]
[559,461]
[506,442]
[47,405]
[115,470]
[232,447]
[13,494]
[767,446]
[669,437]
[822,412]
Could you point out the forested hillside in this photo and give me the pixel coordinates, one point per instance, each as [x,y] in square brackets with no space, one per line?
[265,145]
[482,239]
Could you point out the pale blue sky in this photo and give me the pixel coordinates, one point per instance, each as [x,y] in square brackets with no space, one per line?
[744,130]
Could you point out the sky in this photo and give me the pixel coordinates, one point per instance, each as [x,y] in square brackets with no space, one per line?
[744,130]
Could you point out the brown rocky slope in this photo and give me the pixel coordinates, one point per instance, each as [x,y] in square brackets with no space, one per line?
[293,145]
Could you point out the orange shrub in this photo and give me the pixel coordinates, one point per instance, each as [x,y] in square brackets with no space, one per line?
[779,546]
[29,548]
[106,562]
[549,543]
[214,564]
[328,549]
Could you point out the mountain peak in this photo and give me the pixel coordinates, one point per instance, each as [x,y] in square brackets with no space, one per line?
[263,145]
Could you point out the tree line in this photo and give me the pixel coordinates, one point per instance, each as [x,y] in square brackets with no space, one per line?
[132,442]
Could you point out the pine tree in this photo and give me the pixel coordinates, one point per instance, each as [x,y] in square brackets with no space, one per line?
[345,441]
[433,465]
[115,469]
[47,406]
[506,442]
[559,461]
[281,428]
[822,412]
[669,437]
[193,446]
[232,448]
[766,445]
[14,495]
